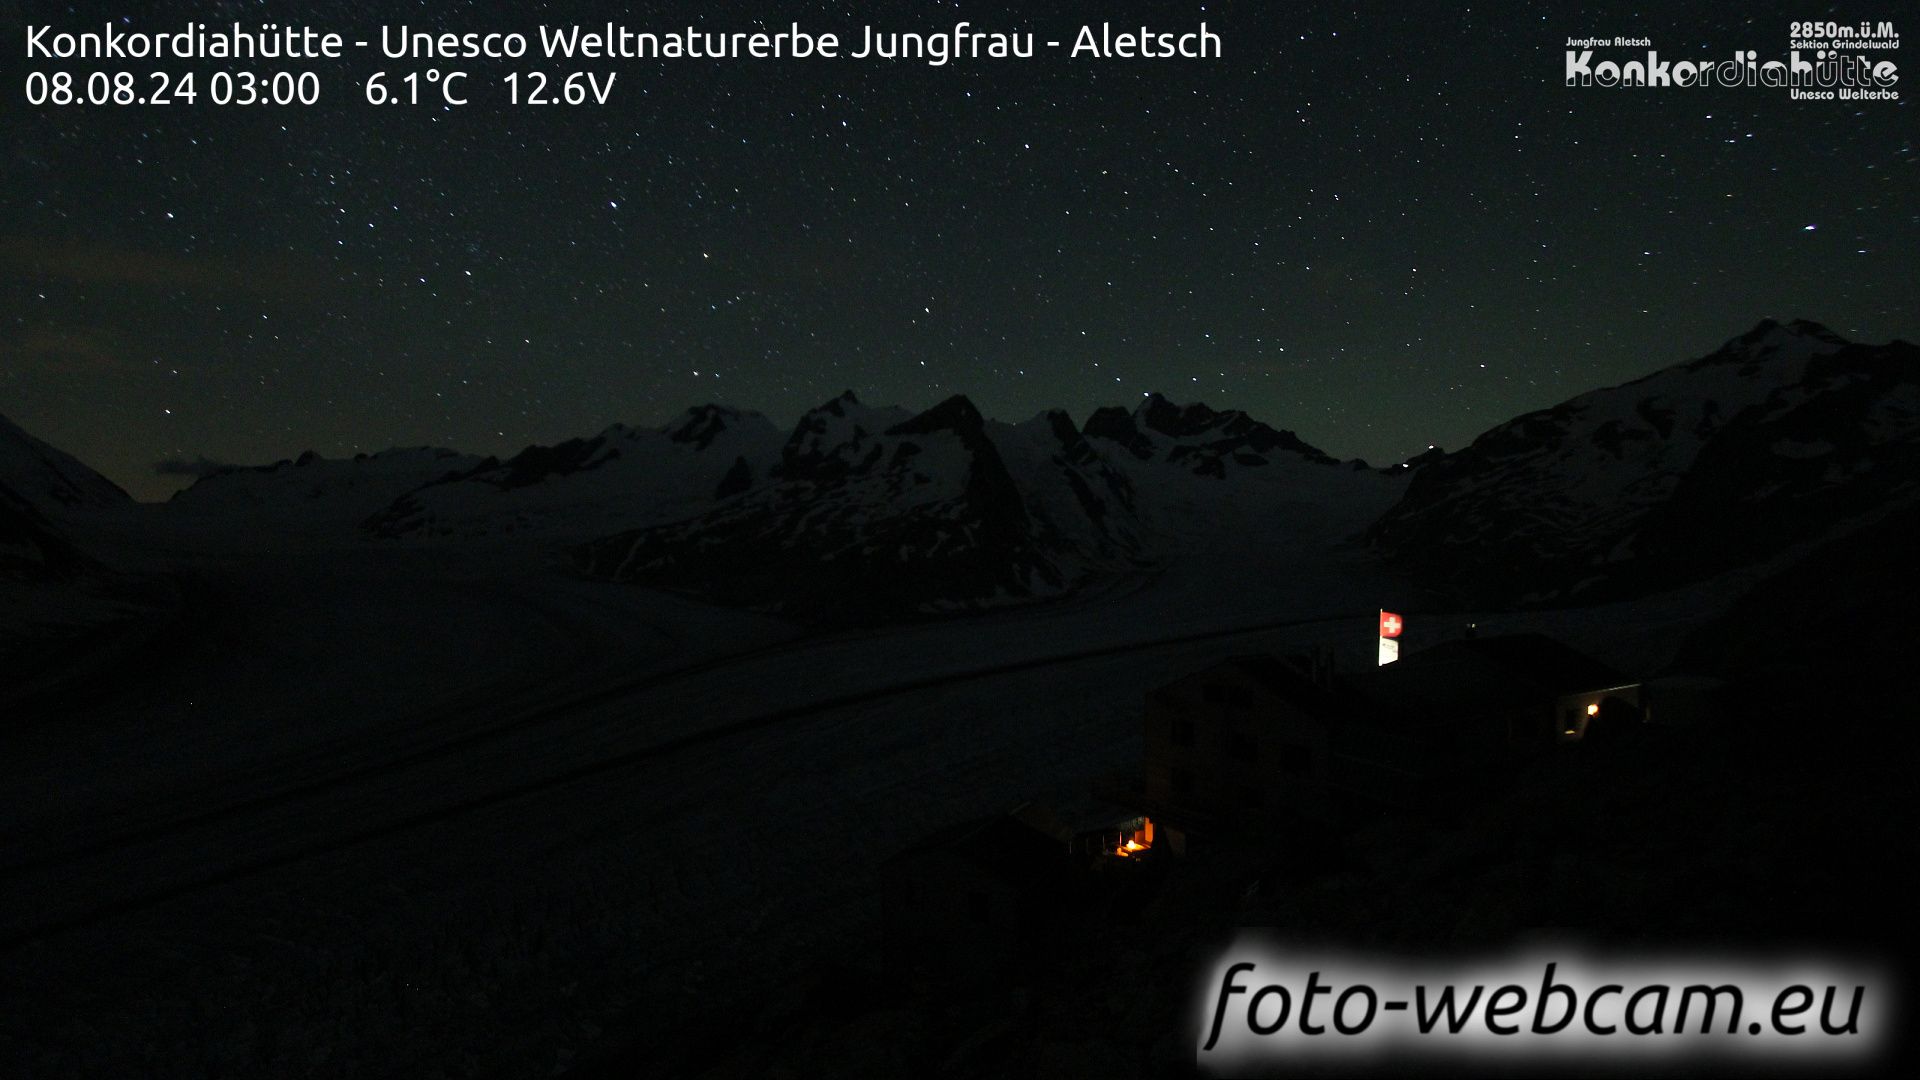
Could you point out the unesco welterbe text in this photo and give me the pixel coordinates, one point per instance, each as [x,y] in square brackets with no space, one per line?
[962,41]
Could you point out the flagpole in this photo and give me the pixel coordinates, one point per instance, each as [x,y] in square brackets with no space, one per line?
[1389,644]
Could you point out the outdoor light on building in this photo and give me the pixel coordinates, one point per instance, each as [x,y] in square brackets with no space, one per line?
[1592,709]
[1138,839]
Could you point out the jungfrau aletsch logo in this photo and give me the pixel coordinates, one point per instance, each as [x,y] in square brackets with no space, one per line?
[1825,61]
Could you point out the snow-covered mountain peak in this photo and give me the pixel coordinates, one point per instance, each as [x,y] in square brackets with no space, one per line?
[1769,345]
[833,438]
[312,491]
[51,480]
[956,414]
[1051,431]
[702,424]
[1203,439]
[1767,441]
[1771,335]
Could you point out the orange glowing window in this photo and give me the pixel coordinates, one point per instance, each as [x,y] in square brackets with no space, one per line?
[1139,839]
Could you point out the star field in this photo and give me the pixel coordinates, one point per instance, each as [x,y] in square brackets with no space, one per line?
[1378,228]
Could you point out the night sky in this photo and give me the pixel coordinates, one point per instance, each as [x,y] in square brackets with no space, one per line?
[1378,229]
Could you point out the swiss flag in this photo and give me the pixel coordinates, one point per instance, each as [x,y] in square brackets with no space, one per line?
[1391,624]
